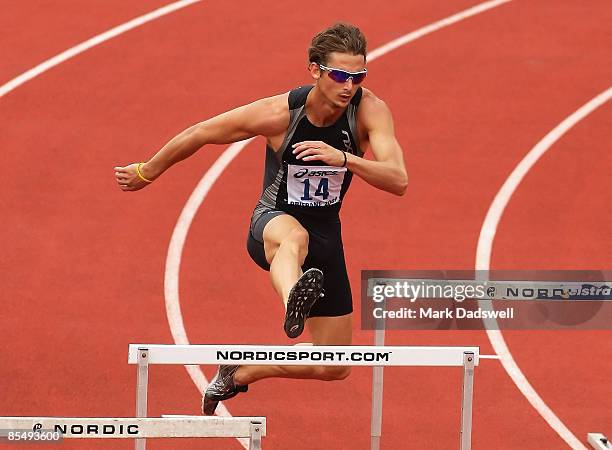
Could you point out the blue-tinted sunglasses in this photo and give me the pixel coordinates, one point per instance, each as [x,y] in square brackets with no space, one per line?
[342,76]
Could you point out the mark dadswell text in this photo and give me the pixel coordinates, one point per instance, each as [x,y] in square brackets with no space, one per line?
[446,313]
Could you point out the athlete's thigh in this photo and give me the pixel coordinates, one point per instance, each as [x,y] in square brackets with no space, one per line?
[276,230]
[331,330]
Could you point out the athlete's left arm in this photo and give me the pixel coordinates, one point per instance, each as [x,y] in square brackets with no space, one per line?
[388,170]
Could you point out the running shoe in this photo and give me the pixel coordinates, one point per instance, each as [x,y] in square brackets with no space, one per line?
[307,290]
[222,387]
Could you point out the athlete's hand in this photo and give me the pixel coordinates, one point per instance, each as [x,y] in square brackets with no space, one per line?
[318,151]
[128,179]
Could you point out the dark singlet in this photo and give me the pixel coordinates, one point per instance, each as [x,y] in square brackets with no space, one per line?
[309,189]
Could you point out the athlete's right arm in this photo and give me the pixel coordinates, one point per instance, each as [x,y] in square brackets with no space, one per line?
[265,117]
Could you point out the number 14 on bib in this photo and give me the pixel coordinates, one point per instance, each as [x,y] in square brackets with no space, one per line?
[314,185]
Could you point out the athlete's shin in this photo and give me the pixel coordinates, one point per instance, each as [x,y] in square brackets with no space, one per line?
[286,265]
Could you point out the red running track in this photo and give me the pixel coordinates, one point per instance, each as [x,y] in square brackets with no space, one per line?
[84,262]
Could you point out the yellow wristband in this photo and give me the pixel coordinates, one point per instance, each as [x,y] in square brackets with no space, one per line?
[140,174]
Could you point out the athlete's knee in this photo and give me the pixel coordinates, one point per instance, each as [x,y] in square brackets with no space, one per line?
[334,373]
[298,235]
[298,238]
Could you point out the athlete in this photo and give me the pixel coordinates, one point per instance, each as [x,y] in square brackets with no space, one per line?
[316,138]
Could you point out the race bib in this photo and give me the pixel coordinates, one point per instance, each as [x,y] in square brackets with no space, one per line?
[314,185]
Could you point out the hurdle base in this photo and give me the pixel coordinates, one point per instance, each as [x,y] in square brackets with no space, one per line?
[598,441]
[375,443]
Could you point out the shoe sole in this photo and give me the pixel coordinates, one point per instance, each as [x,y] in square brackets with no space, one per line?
[302,297]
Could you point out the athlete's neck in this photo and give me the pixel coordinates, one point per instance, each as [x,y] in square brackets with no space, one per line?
[320,111]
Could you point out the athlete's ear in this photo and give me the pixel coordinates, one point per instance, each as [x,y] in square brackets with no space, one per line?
[315,70]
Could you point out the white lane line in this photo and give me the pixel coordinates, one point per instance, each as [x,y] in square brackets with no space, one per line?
[173,265]
[179,235]
[483,260]
[410,37]
[86,45]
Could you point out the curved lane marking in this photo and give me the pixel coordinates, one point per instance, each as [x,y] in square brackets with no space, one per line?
[173,265]
[483,261]
[92,42]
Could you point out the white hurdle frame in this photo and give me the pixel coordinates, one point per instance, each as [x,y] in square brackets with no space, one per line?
[377,356]
[598,441]
[139,427]
[140,354]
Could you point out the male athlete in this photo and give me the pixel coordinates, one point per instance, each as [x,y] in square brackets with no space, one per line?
[316,137]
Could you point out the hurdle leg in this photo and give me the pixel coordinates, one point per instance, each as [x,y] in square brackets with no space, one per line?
[142,382]
[598,441]
[255,436]
[377,395]
[466,403]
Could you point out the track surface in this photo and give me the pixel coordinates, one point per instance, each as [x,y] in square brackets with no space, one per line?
[83,262]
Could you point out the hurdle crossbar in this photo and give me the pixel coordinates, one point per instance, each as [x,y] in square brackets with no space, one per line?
[138,427]
[377,356]
[352,355]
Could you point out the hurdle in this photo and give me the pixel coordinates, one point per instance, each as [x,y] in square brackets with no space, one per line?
[137,427]
[144,355]
[598,441]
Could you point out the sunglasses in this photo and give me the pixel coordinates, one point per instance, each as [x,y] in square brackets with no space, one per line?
[342,76]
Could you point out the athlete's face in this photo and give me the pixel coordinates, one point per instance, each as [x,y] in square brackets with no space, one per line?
[339,94]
